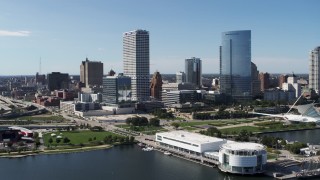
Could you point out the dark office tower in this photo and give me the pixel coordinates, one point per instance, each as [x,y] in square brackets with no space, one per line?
[156,85]
[255,80]
[91,73]
[40,78]
[57,80]
[136,63]
[265,81]
[193,71]
[235,65]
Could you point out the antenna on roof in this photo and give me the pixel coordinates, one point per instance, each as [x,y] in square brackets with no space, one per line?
[40,66]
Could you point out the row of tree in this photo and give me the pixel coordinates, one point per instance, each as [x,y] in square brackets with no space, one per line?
[65,140]
[123,140]
[142,121]
[222,115]
[163,114]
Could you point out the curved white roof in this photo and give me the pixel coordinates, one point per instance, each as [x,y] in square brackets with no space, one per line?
[243,146]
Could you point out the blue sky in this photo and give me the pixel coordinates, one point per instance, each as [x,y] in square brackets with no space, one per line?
[64,32]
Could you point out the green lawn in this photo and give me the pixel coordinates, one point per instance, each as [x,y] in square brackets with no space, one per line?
[77,137]
[190,128]
[272,156]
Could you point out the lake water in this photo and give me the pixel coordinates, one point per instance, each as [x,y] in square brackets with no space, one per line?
[306,136]
[117,163]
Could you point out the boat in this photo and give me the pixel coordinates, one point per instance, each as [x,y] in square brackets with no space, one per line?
[141,145]
[147,149]
[167,153]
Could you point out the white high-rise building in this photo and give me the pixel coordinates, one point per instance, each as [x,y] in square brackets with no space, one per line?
[180,77]
[314,69]
[292,85]
[136,61]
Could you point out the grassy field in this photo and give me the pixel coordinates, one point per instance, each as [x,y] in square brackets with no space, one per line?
[236,130]
[77,137]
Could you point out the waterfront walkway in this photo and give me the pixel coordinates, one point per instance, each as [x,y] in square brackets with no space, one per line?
[149,141]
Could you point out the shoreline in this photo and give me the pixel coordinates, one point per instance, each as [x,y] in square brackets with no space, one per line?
[288,130]
[55,151]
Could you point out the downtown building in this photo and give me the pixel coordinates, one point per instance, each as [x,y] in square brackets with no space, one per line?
[193,71]
[116,89]
[235,65]
[314,69]
[57,81]
[91,73]
[156,86]
[136,62]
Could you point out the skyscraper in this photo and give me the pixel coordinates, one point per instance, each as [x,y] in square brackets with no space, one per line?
[91,73]
[193,71]
[57,80]
[180,77]
[314,70]
[265,82]
[156,85]
[255,80]
[136,63]
[235,65]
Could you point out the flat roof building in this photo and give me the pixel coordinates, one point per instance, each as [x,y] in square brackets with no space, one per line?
[189,142]
[91,73]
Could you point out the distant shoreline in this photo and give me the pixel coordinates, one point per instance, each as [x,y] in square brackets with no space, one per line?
[55,151]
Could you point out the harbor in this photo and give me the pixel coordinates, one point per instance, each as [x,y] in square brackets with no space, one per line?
[281,168]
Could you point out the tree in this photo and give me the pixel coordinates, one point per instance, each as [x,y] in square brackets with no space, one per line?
[115,138]
[66,140]
[35,135]
[50,140]
[58,140]
[108,139]
[295,147]
[243,135]
[121,139]
[37,143]
[154,122]
[131,139]
[175,125]
[212,131]
[126,139]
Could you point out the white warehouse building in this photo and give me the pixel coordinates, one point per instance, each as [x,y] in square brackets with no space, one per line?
[242,158]
[192,143]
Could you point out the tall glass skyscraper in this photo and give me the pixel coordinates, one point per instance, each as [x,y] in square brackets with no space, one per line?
[314,70]
[193,71]
[235,65]
[136,63]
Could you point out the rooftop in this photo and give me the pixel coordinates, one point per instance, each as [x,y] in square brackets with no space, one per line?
[243,146]
[190,137]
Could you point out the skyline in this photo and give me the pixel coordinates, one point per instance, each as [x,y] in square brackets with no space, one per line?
[63,33]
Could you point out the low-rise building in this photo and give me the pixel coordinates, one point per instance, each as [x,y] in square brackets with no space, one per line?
[192,143]
[242,158]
